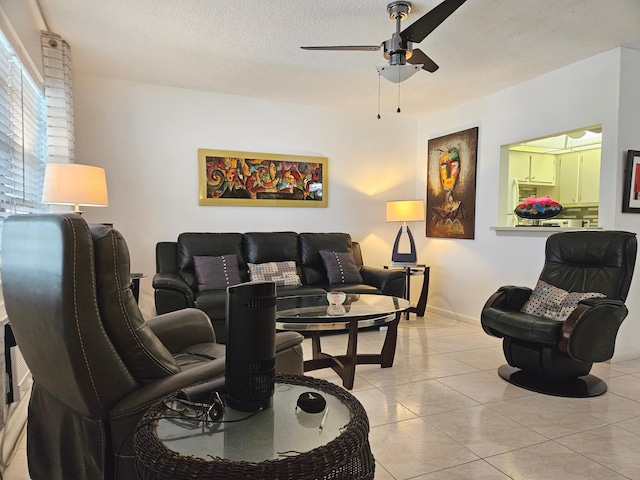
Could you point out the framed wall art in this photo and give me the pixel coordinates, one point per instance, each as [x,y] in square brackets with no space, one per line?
[451,185]
[631,191]
[261,179]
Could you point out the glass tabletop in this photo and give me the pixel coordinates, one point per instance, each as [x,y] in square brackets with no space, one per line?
[268,435]
[313,312]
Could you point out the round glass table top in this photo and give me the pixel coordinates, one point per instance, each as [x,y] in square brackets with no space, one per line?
[313,312]
[268,435]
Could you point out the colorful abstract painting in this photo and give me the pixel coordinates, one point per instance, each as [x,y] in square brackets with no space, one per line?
[451,185]
[261,179]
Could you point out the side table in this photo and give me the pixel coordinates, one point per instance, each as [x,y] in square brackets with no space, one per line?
[135,284]
[413,269]
[278,442]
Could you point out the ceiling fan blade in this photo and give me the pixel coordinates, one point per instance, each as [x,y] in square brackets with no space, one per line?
[417,31]
[419,57]
[364,48]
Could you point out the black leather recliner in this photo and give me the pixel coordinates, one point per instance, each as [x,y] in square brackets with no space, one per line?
[97,364]
[550,354]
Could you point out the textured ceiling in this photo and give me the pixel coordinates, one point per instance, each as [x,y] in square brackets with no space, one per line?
[252,47]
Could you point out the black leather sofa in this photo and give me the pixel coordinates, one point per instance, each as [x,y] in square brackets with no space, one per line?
[176,286]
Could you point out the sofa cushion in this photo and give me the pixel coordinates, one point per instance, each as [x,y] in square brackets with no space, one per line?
[263,247]
[340,267]
[282,273]
[208,244]
[314,272]
[549,301]
[216,273]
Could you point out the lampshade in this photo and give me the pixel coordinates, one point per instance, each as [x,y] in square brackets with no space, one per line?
[75,184]
[405,211]
[398,73]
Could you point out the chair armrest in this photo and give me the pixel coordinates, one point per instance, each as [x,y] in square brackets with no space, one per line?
[589,334]
[182,328]
[172,281]
[286,340]
[124,416]
[509,297]
[389,282]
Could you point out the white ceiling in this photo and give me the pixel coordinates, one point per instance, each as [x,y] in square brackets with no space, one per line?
[252,47]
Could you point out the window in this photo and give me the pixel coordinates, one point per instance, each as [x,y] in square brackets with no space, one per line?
[23,147]
[564,166]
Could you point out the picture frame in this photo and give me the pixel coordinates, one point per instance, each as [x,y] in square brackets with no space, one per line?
[631,190]
[252,179]
[451,185]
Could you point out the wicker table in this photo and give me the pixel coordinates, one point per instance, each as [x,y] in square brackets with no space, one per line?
[278,443]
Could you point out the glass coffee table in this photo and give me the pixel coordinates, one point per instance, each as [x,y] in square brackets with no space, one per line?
[312,314]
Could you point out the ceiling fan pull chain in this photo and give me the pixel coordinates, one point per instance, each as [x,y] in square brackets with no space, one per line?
[398,110]
[379,96]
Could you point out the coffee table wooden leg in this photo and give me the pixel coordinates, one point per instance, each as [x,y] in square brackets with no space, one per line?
[316,348]
[350,360]
[389,348]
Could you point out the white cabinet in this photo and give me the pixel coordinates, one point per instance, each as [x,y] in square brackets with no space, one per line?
[590,177]
[568,181]
[519,166]
[532,168]
[579,180]
[543,168]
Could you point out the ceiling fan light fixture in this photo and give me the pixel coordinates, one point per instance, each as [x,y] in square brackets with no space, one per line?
[398,73]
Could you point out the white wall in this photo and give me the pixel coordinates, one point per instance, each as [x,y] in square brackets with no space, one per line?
[628,139]
[466,272]
[147,137]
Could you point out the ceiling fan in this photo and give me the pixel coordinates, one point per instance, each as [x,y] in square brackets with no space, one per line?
[399,48]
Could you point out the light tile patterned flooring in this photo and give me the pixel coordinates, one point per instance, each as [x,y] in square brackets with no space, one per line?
[441,412]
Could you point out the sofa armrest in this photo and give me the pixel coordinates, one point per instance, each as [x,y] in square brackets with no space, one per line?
[389,282]
[182,328]
[589,334]
[509,297]
[173,281]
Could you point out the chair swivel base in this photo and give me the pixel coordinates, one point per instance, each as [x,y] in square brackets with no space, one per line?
[579,387]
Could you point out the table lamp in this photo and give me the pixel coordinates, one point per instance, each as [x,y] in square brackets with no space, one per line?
[405,211]
[75,184]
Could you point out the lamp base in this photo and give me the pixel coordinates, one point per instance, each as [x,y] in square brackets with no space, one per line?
[407,258]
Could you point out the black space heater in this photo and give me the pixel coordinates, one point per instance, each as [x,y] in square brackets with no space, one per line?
[251,349]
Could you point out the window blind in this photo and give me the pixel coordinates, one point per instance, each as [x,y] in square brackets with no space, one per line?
[23,147]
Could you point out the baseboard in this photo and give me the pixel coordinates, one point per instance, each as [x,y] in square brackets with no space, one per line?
[454,315]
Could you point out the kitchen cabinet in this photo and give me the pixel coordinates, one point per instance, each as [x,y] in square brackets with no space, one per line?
[579,182]
[590,177]
[519,166]
[532,168]
[543,169]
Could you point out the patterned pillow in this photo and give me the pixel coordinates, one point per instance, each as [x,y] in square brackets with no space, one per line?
[341,268]
[216,273]
[553,302]
[284,274]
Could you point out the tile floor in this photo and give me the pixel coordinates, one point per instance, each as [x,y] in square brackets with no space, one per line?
[442,412]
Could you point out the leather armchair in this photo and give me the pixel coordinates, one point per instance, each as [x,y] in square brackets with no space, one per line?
[552,354]
[97,363]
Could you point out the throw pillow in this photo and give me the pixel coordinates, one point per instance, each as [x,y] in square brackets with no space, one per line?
[341,268]
[284,274]
[216,273]
[552,302]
